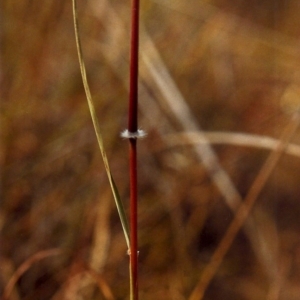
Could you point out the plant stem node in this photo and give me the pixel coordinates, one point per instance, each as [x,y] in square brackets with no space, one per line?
[139,134]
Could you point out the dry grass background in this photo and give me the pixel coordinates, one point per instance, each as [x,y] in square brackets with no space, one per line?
[229,66]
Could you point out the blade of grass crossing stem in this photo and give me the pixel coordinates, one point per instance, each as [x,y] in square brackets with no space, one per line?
[113,186]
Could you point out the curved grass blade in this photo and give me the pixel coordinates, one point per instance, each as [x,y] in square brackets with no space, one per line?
[113,186]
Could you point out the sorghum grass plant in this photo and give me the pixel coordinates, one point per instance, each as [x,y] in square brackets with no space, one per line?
[218,84]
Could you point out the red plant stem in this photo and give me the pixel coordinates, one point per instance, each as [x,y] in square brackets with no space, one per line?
[133,128]
[133,218]
[134,64]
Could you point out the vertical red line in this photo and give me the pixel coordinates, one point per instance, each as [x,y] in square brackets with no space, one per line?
[134,64]
[133,128]
[133,218]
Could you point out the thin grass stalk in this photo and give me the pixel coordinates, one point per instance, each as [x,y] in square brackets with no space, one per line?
[95,121]
[133,220]
[133,129]
[134,64]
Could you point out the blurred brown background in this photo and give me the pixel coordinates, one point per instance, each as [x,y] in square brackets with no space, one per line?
[221,66]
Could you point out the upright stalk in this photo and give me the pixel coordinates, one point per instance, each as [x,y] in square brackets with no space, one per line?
[133,220]
[133,135]
[134,63]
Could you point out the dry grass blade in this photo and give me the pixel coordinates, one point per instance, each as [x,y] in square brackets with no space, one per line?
[244,210]
[25,266]
[180,110]
[238,139]
[113,186]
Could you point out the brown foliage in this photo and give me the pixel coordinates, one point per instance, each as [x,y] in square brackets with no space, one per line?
[218,65]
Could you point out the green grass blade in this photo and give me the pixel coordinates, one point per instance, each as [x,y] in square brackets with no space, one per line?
[113,186]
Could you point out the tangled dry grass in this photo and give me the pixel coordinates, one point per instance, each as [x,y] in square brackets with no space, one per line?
[227,67]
